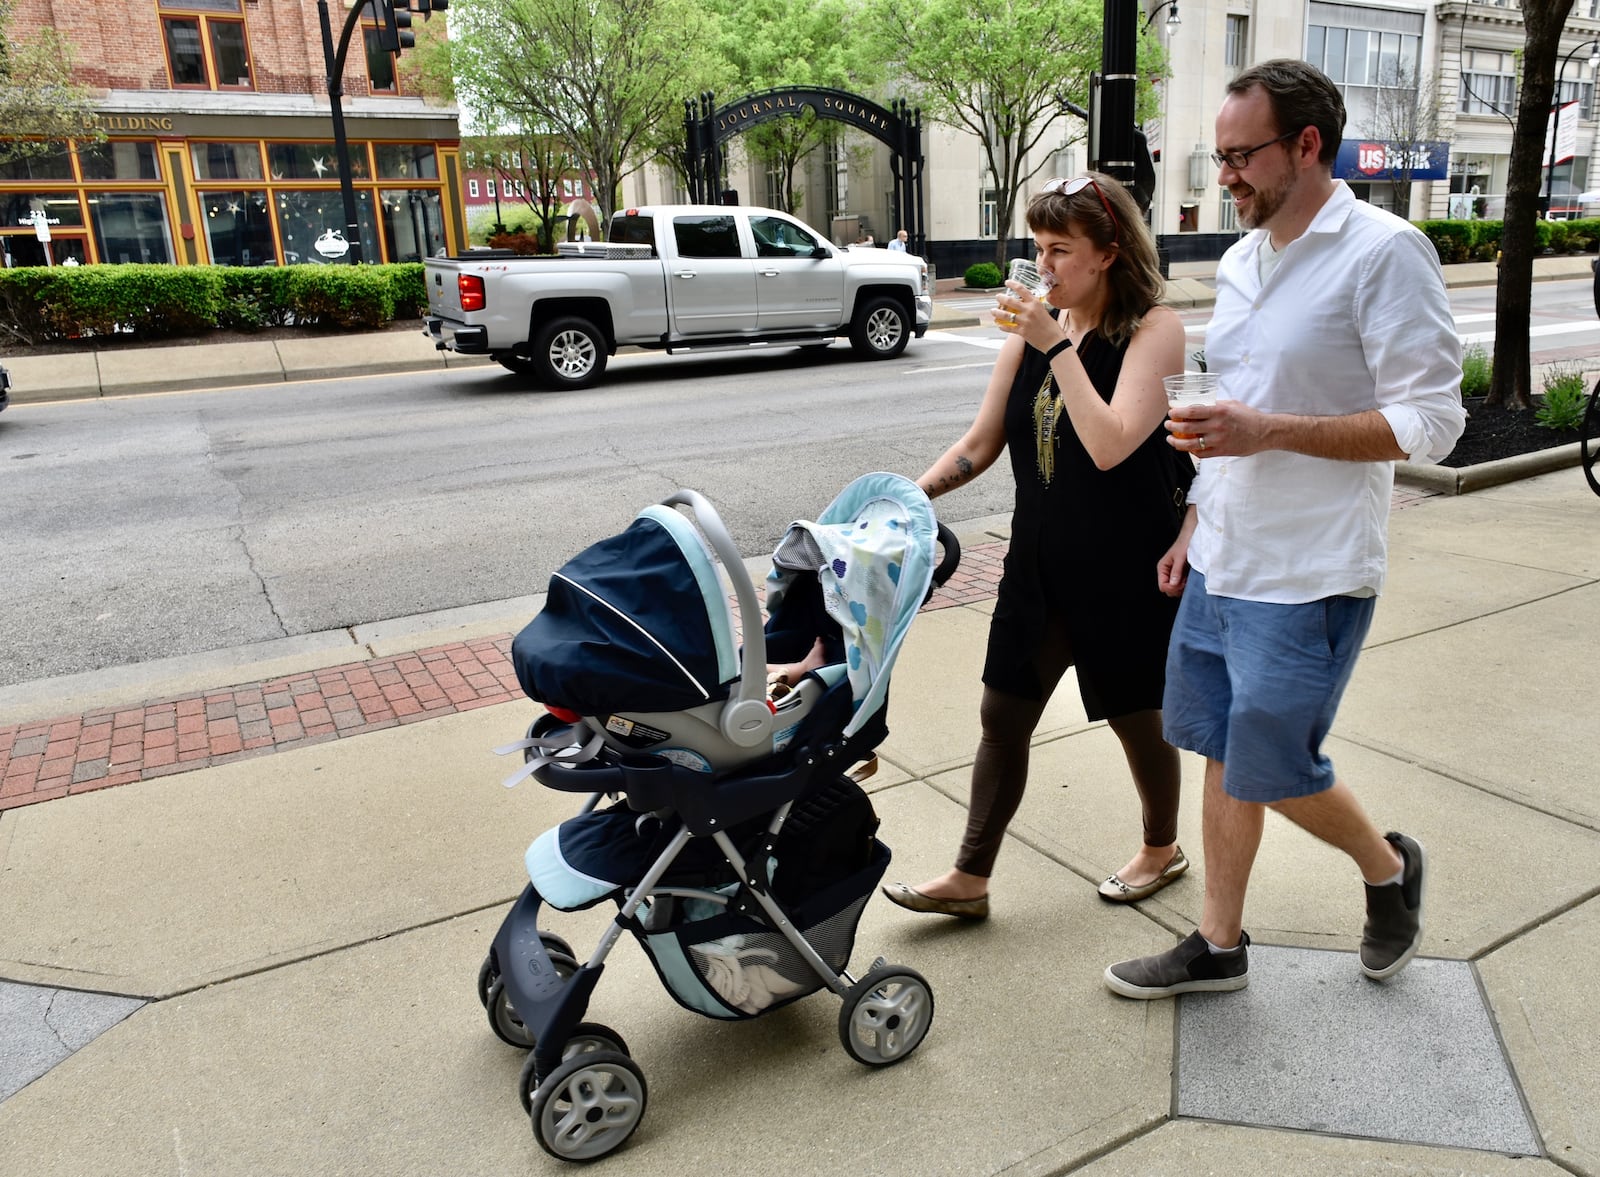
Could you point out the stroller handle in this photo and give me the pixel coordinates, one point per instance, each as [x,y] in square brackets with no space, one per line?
[746,720]
[951,559]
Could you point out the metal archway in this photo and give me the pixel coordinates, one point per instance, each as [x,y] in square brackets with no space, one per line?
[706,127]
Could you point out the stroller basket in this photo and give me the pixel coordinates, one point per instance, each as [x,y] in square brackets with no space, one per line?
[734,964]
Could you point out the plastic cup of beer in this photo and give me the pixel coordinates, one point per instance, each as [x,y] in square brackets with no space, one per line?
[1188,389]
[1030,278]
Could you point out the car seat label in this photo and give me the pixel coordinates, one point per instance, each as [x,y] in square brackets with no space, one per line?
[686,758]
[635,735]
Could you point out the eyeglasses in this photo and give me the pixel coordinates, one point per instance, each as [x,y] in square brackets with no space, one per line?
[1239,160]
[1061,187]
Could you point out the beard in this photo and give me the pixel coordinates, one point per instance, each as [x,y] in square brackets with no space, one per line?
[1265,203]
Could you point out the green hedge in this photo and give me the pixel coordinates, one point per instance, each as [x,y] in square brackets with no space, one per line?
[158,302]
[984,276]
[1479,241]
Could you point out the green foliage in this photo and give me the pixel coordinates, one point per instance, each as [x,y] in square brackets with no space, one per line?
[1485,240]
[984,276]
[146,301]
[1477,371]
[999,72]
[1556,235]
[253,297]
[340,296]
[1453,239]
[407,286]
[39,304]
[1565,399]
[40,105]
[601,77]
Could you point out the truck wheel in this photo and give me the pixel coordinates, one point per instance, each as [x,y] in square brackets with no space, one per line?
[880,329]
[569,353]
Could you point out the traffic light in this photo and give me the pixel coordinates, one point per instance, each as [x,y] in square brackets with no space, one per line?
[394,26]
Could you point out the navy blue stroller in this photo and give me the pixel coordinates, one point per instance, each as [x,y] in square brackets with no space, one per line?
[737,845]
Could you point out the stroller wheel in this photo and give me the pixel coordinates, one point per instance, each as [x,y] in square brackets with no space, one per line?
[487,976]
[885,1015]
[589,1106]
[503,1019]
[554,944]
[586,1038]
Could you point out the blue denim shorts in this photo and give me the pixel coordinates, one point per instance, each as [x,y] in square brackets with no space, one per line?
[1255,685]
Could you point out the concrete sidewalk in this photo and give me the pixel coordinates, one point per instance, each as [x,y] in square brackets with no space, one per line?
[265,965]
[119,372]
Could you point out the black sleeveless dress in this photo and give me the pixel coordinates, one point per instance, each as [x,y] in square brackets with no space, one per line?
[1084,547]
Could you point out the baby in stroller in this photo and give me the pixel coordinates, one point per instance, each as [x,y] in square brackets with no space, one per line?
[738,849]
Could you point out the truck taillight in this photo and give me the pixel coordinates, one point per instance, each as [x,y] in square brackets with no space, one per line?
[470,287]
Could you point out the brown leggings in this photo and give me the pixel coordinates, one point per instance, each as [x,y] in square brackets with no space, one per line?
[1000,769]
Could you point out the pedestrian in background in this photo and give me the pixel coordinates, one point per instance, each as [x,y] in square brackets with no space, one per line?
[899,242]
[1076,395]
[1338,355]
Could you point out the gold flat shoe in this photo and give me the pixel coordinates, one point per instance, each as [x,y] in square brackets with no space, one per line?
[911,899]
[1116,891]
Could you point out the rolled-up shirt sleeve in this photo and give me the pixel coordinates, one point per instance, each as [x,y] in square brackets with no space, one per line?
[1411,345]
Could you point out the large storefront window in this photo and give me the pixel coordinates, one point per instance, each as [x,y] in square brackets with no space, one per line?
[414,222]
[27,250]
[314,161]
[406,161]
[239,228]
[119,159]
[312,223]
[53,163]
[226,161]
[131,226]
[61,209]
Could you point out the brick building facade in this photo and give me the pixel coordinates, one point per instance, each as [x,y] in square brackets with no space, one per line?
[220,143]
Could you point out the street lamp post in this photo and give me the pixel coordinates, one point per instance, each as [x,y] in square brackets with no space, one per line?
[1172,15]
[334,59]
[1593,45]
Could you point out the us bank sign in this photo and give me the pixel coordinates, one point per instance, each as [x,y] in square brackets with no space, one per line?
[1380,159]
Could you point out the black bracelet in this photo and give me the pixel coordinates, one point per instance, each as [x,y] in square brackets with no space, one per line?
[1064,345]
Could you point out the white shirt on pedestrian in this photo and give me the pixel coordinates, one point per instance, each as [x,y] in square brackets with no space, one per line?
[1352,316]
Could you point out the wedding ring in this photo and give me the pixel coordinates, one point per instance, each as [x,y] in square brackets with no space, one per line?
[1202,443]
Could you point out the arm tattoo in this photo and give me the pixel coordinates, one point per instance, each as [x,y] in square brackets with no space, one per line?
[950,481]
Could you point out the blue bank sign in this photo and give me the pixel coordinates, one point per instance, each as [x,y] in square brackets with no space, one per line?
[1379,159]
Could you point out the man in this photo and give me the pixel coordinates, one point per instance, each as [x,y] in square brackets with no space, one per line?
[1338,355]
[899,242]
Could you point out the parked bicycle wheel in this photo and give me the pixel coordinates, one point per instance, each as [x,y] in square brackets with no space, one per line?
[1590,439]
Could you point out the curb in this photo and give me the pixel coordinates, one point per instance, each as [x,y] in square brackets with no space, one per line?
[1466,479]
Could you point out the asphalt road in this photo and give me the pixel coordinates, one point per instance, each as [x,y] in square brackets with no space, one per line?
[145,527]
[138,528]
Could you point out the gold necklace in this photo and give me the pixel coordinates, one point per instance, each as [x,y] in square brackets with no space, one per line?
[1047,411]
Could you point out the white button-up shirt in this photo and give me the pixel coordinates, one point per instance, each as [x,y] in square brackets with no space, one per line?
[1354,317]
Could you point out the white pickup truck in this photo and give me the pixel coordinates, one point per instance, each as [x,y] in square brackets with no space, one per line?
[678,278]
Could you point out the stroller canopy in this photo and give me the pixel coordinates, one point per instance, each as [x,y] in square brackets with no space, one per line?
[872,551]
[637,622]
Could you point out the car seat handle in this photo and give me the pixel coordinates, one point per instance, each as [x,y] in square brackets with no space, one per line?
[746,719]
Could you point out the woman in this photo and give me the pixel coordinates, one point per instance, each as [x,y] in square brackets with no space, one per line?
[1077,396]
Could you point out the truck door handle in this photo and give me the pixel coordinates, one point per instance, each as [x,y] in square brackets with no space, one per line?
[769,273]
[685,274]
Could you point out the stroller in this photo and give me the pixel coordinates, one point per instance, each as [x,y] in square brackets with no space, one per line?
[737,847]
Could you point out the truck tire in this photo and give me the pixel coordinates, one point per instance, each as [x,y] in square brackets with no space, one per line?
[880,329]
[568,353]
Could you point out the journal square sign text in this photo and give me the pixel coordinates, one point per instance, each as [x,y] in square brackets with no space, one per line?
[1379,159]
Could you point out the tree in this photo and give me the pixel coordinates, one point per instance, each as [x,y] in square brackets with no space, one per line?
[773,43]
[1511,383]
[533,167]
[602,76]
[1000,69]
[39,104]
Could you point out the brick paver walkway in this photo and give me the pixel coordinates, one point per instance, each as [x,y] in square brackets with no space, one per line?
[53,758]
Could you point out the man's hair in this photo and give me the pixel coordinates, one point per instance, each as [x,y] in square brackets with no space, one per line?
[1300,95]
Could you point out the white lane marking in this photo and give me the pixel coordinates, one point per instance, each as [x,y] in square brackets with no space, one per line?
[948,368]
